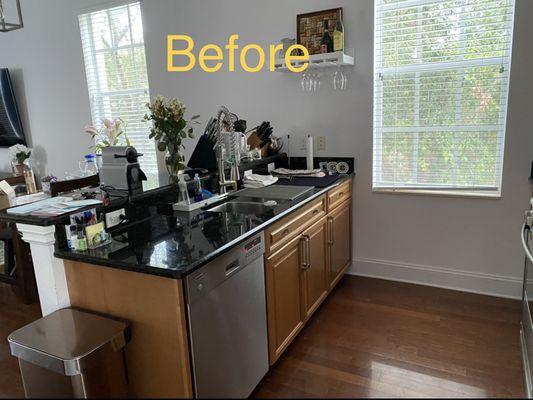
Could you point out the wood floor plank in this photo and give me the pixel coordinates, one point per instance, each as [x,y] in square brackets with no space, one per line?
[377,338]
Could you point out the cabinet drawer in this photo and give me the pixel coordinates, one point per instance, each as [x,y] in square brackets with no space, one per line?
[287,228]
[338,195]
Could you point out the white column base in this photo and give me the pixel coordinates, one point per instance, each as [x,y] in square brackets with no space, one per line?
[49,270]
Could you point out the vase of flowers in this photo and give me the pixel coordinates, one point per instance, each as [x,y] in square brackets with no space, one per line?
[111,133]
[169,129]
[19,155]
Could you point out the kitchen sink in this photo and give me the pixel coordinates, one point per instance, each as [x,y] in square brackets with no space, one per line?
[241,207]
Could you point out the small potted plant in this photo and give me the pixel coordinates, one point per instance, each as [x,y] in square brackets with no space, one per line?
[45,183]
[19,155]
[169,130]
[111,133]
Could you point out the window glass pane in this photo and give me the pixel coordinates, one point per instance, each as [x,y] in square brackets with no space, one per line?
[440,31]
[399,100]
[482,95]
[438,98]
[436,158]
[120,26]
[397,156]
[478,157]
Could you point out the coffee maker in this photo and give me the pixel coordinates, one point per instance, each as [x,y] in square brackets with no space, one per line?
[121,170]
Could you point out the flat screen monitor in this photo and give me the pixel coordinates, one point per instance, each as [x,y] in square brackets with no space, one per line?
[11,131]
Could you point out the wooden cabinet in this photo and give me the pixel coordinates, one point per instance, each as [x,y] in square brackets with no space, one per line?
[339,241]
[283,288]
[307,252]
[315,280]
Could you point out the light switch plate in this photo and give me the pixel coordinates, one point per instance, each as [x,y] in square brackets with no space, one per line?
[321,143]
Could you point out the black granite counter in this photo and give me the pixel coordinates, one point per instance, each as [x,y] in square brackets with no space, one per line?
[173,244]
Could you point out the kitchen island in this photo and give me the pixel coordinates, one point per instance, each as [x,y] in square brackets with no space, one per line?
[140,275]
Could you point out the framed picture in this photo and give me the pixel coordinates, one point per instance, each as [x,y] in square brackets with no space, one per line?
[310,28]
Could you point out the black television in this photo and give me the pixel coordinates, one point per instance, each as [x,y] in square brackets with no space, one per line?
[11,131]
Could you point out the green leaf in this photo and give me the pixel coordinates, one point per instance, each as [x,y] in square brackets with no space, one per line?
[162,146]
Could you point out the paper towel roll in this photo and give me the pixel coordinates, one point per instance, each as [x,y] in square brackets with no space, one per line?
[309,155]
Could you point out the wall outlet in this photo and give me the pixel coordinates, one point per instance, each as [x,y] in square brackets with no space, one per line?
[114,218]
[321,143]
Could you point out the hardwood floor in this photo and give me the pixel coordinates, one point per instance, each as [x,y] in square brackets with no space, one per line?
[13,315]
[372,338]
[376,338]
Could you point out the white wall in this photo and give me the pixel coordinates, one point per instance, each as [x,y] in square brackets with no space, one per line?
[470,244]
[46,65]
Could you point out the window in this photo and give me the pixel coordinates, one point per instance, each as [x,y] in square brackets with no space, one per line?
[115,65]
[441,78]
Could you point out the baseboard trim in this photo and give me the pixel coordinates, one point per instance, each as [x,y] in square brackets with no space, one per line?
[474,282]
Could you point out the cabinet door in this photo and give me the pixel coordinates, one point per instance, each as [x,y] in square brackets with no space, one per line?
[284,307]
[340,241]
[314,277]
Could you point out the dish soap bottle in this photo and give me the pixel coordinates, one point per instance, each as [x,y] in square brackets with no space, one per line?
[197,188]
[338,36]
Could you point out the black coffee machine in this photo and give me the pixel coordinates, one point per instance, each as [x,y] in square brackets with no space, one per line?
[121,170]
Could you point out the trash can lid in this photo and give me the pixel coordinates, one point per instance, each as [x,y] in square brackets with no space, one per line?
[66,335]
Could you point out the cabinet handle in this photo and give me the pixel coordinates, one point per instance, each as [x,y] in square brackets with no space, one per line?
[305,252]
[330,226]
[341,194]
[315,211]
[286,231]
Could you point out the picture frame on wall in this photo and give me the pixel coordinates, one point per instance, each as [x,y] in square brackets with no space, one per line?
[310,28]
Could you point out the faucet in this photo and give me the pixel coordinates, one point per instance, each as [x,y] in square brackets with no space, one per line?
[225,117]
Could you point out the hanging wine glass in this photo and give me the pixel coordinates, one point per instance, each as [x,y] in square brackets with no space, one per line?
[338,79]
[344,80]
[306,80]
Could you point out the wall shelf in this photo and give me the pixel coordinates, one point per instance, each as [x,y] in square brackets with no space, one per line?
[325,60]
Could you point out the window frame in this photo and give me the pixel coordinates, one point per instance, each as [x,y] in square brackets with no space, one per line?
[378,184]
[98,106]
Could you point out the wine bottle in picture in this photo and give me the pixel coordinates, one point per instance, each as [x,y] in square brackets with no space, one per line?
[326,44]
[338,36]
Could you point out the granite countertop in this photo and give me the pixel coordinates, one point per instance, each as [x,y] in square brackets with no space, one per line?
[174,244]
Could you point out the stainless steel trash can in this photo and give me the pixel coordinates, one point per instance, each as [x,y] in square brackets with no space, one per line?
[71,353]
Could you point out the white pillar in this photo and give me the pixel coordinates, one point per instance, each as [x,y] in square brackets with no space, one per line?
[49,270]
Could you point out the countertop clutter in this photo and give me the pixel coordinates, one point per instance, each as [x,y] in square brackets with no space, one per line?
[174,244]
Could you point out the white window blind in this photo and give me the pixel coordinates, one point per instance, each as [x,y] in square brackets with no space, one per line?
[115,65]
[441,78]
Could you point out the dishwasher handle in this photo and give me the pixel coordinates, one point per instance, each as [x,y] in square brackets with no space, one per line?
[232,267]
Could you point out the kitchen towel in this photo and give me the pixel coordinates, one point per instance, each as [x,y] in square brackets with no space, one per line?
[258,181]
[299,172]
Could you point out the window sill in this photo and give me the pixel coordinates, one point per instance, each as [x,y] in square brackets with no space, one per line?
[442,193]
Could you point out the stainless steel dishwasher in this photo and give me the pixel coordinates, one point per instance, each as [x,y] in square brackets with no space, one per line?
[227,322]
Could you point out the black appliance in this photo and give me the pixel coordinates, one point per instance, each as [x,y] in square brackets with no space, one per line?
[11,131]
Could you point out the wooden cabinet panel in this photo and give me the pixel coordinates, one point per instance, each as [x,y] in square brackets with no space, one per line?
[283,297]
[314,277]
[339,194]
[157,356]
[340,241]
[291,226]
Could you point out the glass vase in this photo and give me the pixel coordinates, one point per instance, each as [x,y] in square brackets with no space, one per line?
[19,168]
[175,172]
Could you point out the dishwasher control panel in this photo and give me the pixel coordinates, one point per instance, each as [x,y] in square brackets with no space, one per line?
[253,247]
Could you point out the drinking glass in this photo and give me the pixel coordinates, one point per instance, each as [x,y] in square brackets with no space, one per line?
[305,82]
